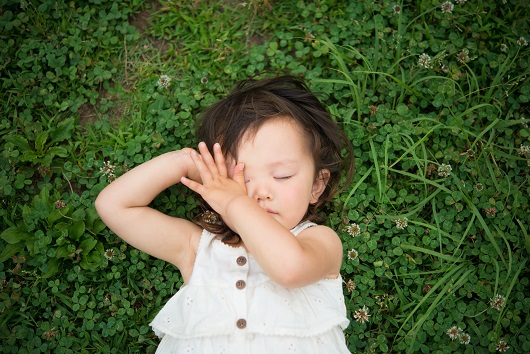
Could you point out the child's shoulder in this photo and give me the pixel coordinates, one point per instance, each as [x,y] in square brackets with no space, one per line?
[311,228]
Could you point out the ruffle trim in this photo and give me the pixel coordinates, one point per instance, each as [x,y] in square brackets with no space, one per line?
[229,327]
[196,312]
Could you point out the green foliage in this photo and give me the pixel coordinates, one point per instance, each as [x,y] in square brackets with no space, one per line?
[435,103]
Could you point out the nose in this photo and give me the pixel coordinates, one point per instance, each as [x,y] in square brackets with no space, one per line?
[259,191]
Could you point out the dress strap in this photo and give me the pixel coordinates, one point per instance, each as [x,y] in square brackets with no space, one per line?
[302,226]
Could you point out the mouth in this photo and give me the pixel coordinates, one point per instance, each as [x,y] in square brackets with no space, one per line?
[271,212]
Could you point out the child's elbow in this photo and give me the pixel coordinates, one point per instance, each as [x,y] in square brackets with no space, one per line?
[101,204]
[291,278]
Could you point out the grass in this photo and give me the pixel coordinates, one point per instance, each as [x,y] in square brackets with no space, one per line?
[441,143]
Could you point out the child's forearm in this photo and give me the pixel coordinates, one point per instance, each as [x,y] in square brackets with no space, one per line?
[142,184]
[275,248]
[124,208]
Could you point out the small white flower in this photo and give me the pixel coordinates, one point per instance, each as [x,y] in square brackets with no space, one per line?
[463,56]
[353,229]
[525,150]
[522,42]
[353,254]
[447,7]
[108,169]
[445,68]
[402,223]
[362,315]
[461,2]
[109,254]
[497,302]
[164,81]
[502,346]
[465,338]
[425,61]
[444,170]
[504,47]
[397,9]
[350,285]
[454,332]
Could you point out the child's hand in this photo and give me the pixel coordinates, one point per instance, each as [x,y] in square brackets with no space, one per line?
[217,189]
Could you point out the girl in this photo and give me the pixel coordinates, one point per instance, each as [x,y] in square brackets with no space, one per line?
[259,275]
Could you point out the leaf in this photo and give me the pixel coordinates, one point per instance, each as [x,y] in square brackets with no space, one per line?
[40,141]
[76,230]
[57,150]
[87,245]
[63,131]
[9,250]
[28,156]
[14,235]
[20,142]
[50,268]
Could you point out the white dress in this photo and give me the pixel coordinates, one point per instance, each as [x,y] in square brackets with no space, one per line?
[231,306]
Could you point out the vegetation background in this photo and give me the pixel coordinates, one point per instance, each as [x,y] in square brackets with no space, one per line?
[433,95]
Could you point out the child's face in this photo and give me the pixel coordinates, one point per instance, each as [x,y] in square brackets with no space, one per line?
[280,172]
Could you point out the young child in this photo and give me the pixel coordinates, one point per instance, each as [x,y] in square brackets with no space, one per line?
[259,275]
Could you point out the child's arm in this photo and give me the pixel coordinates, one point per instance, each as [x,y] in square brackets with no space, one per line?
[123,206]
[291,261]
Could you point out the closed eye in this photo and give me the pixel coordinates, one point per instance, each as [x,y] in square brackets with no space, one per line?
[282,178]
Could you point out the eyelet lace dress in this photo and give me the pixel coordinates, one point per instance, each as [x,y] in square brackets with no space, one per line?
[231,306]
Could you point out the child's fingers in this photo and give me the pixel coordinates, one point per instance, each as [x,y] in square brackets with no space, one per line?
[203,170]
[219,160]
[194,186]
[207,158]
[239,175]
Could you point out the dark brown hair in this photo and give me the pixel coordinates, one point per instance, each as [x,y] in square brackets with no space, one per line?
[254,102]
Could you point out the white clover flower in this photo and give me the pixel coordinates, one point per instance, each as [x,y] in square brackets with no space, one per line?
[109,254]
[461,2]
[353,229]
[444,170]
[164,81]
[445,68]
[454,332]
[497,302]
[447,7]
[353,254]
[425,61]
[525,150]
[502,346]
[362,315]
[350,285]
[402,223]
[465,338]
[397,9]
[463,56]
[108,169]
[504,47]
[522,42]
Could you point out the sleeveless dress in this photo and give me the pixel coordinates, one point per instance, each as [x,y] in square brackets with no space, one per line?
[231,306]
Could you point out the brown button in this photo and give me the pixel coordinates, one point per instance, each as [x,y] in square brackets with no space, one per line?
[241,323]
[241,261]
[240,284]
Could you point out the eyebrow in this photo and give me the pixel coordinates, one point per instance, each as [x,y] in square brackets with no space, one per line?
[282,162]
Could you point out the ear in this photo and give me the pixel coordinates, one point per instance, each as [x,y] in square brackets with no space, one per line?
[319,186]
